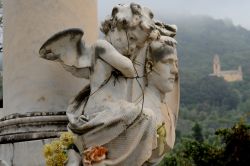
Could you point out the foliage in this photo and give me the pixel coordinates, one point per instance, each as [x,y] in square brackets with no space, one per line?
[209,91]
[233,150]
[201,37]
[209,101]
[197,132]
[237,144]
[209,121]
[202,154]
[244,106]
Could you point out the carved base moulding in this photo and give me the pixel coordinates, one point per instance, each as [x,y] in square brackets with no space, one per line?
[32,126]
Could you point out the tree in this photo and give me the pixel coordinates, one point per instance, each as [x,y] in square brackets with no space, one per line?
[233,150]
[197,132]
[237,140]
[209,91]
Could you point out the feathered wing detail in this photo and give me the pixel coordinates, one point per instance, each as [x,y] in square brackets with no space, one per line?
[68,48]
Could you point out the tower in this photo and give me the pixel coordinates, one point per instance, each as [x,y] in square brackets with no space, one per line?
[227,75]
[216,65]
[240,73]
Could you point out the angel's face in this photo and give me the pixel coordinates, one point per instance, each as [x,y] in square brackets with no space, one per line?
[131,25]
[137,36]
[127,41]
[122,42]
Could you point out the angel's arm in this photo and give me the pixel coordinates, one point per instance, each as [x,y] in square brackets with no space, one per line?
[78,72]
[105,51]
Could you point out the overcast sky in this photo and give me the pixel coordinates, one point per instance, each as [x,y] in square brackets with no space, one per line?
[236,10]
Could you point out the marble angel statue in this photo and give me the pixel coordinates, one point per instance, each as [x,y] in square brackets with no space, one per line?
[130,106]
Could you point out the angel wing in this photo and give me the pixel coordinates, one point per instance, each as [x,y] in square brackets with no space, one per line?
[67,48]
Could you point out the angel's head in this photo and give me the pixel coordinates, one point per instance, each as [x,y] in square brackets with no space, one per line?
[128,27]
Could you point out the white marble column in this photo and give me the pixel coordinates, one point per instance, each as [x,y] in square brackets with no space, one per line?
[32,84]
[36,91]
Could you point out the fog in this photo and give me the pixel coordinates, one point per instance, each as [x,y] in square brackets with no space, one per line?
[236,10]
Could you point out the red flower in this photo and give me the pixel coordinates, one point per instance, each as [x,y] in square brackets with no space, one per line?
[94,154]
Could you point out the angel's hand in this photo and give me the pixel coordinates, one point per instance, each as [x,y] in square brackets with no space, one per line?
[78,72]
[49,55]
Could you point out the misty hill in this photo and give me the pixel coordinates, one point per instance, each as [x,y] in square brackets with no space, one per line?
[200,37]
[211,101]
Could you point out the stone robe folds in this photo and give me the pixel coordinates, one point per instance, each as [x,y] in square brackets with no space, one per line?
[128,132]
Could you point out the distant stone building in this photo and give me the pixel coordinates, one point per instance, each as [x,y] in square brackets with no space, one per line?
[228,75]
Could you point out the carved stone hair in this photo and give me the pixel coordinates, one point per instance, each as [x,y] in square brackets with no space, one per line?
[166,29]
[129,16]
[160,48]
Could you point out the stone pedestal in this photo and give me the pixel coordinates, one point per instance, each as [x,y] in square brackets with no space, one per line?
[36,91]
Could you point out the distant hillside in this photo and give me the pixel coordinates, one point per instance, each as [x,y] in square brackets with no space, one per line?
[200,37]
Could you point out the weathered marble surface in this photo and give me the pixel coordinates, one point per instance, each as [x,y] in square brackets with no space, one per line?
[32,126]
[30,83]
[24,153]
[35,89]
[131,105]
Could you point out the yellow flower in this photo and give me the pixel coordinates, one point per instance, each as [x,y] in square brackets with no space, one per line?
[47,150]
[57,146]
[66,138]
[60,159]
[49,161]
[161,131]
[161,134]
[56,152]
